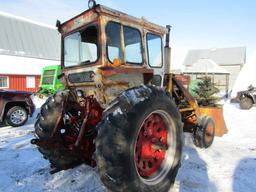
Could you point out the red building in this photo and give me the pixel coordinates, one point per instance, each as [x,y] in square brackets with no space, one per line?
[24,50]
[21,73]
[20,82]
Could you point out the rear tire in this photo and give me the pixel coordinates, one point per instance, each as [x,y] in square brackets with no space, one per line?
[60,158]
[246,102]
[16,116]
[118,137]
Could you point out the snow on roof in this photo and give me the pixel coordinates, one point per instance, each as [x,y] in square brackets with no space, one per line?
[23,37]
[206,66]
[26,20]
[222,56]
[23,65]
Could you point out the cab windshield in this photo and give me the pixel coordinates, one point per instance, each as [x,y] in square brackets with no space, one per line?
[81,48]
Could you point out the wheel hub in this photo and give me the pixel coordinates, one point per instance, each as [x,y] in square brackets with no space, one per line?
[151,146]
[209,132]
[17,117]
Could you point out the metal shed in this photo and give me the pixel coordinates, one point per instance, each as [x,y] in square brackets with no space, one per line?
[26,38]
[25,48]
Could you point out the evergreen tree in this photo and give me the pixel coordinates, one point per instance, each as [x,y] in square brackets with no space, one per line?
[205,92]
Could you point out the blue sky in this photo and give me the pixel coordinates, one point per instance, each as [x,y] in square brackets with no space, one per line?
[196,23]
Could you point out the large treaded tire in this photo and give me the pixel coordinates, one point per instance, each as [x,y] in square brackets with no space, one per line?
[246,102]
[117,135]
[60,158]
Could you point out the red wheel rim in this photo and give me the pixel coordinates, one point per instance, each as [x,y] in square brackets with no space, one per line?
[151,146]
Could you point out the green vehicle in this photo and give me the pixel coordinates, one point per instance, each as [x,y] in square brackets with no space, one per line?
[49,83]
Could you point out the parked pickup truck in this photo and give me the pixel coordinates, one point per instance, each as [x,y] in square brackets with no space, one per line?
[15,107]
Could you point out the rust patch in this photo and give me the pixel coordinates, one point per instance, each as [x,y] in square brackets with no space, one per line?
[79,21]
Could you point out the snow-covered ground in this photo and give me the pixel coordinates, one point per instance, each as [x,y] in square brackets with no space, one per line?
[229,165]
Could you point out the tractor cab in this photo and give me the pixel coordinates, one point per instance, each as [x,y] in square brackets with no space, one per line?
[108,51]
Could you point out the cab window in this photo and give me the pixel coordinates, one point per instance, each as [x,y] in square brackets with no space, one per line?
[132,43]
[154,45]
[114,48]
[81,48]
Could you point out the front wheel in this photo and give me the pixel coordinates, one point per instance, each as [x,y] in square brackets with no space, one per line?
[16,116]
[204,133]
[246,103]
[139,142]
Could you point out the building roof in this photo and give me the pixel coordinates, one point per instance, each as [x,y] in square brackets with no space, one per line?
[23,37]
[221,56]
[13,65]
[203,66]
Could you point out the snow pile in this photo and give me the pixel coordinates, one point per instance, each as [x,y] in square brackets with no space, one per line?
[229,165]
[247,76]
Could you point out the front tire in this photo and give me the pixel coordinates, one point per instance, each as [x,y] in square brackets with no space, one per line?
[16,116]
[204,133]
[246,102]
[139,141]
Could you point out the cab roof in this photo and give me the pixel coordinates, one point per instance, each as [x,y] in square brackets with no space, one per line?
[103,10]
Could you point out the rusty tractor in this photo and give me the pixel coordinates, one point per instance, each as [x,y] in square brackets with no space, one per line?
[122,109]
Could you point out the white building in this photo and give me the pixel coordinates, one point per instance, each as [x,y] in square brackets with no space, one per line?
[231,59]
[25,48]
